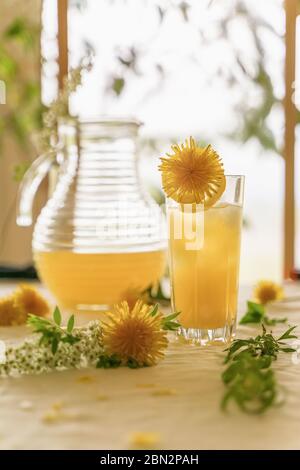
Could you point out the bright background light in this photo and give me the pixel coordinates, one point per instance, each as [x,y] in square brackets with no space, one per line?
[189,97]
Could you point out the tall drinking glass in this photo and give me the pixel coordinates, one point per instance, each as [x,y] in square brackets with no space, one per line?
[204,256]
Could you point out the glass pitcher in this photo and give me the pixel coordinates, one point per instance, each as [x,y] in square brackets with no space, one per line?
[100,236]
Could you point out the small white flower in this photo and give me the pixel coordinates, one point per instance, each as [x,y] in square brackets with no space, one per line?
[26,405]
[30,357]
[296,354]
[2,352]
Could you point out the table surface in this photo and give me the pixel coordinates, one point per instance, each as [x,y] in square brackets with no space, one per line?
[177,400]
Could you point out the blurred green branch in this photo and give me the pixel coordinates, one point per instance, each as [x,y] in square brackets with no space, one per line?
[22,113]
[255,123]
[253,119]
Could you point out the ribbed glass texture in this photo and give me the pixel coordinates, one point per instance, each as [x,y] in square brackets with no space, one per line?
[100,236]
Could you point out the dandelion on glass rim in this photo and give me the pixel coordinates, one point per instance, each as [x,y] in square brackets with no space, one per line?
[193,174]
[134,334]
[267,291]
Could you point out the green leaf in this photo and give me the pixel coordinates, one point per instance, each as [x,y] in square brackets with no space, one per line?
[57,316]
[287,350]
[229,374]
[23,32]
[172,316]
[235,346]
[70,339]
[273,321]
[255,307]
[31,91]
[171,326]
[20,170]
[255,313]
[16,28]
[8,66]
[70,324]
[54,345]
[154,311]
[287,334]
[38,322]
[118,85]
[108,362]
[132,363]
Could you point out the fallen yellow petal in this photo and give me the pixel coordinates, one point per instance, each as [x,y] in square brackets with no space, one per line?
[102,397]
[51,416]
[144,440]
[145,385]
[86,379]
[164,392]
[54,413]
[57,406]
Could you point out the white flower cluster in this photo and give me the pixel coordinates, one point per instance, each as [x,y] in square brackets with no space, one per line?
[31,357]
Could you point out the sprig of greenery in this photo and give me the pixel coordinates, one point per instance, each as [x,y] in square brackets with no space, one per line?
[47,137]
[273,321]
[168,322]
[51,331]
[250,380]
[76,348]
[57,346]
[108,362]
[256,313]
[113,361]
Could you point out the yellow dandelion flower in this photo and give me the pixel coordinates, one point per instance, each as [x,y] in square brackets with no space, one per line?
[134,334]
[267,291]
[27,298]
[193,174]
[10,314]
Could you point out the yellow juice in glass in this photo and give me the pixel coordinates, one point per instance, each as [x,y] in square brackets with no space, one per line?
[205,267]
[79,279]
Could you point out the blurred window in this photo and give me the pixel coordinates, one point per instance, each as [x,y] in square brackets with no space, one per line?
[210,69]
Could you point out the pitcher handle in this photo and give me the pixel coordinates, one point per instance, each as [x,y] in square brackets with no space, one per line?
[29,185]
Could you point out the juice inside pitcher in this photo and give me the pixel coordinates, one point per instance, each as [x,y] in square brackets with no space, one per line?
[100,235]
[79,280]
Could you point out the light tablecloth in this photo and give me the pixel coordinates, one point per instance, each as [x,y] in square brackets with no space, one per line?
[178,400]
